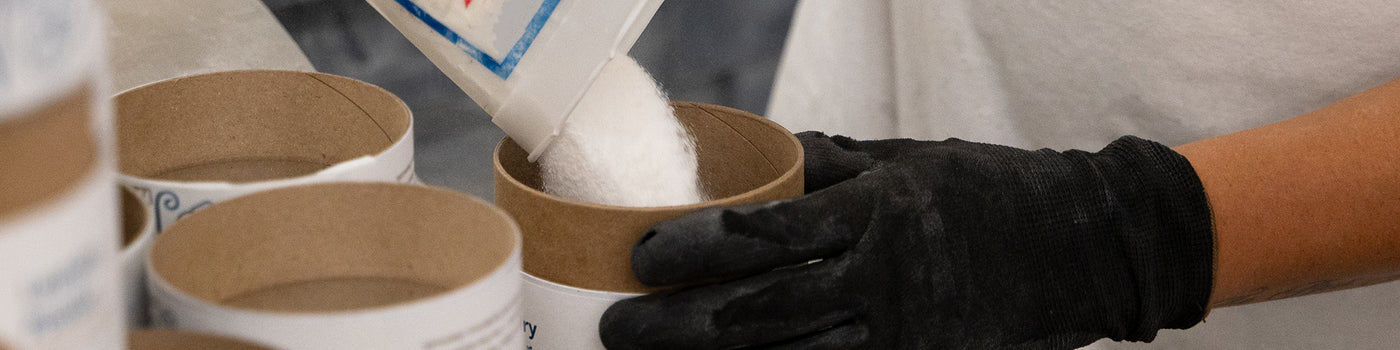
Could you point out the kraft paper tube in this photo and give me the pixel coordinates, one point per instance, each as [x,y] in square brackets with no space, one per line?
[577,255]
[59,230]
[166,339]
[343,266]
[190,142]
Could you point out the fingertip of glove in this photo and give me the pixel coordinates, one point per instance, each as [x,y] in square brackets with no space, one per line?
[669,251]
[617,328]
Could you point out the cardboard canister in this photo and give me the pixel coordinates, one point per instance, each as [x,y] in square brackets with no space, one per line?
[167,339]
[137,234]
[58,228]
[59,287]
[190,142]
[577,256]
[343,266]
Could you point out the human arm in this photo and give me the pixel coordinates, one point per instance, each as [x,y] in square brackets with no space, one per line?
[1306,205]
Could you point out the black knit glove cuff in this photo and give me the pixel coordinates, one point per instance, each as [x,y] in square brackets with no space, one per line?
[1167,232]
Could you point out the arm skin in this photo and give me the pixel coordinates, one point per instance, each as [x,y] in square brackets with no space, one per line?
[1307,205]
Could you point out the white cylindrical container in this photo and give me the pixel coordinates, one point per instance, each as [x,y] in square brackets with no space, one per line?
[138,232]
[190,142]
[59,286]
[343,266]
[577,255]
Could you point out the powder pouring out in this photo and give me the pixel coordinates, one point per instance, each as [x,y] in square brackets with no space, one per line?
[623,146]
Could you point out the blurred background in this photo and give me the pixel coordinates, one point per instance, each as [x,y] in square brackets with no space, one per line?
[716,51]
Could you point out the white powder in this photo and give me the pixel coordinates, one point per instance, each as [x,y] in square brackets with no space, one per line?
[623,146]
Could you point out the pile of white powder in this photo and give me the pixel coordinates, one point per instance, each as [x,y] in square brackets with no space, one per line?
[623,146]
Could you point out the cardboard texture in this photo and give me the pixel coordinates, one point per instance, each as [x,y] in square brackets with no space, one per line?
[393,241]
[189,142]
[134,221]
[336,262]
[246,126]
[165,339]
[46,152]
[743,158]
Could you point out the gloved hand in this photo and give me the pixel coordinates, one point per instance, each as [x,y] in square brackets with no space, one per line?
[904,244]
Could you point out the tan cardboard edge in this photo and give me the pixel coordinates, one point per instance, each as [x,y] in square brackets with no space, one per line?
[743,158]
[334,247]
[46,152]
[231,126]
[166,339]
[135,219]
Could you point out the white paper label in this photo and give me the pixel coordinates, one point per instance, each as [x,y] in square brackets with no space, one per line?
[559,317]
[132,259]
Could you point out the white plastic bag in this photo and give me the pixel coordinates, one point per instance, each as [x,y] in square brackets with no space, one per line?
[526,62]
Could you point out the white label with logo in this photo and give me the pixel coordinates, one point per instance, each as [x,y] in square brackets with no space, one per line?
[171,200]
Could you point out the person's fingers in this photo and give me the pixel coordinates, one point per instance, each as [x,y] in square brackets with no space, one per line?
[765,309]
[827,160]
[718,243]
[846,336]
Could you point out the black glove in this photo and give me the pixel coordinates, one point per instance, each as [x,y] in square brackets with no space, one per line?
[904,244]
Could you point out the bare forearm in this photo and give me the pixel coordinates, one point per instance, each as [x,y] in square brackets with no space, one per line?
[1307,205]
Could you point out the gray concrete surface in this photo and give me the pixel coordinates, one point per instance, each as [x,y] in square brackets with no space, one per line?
[154,40]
